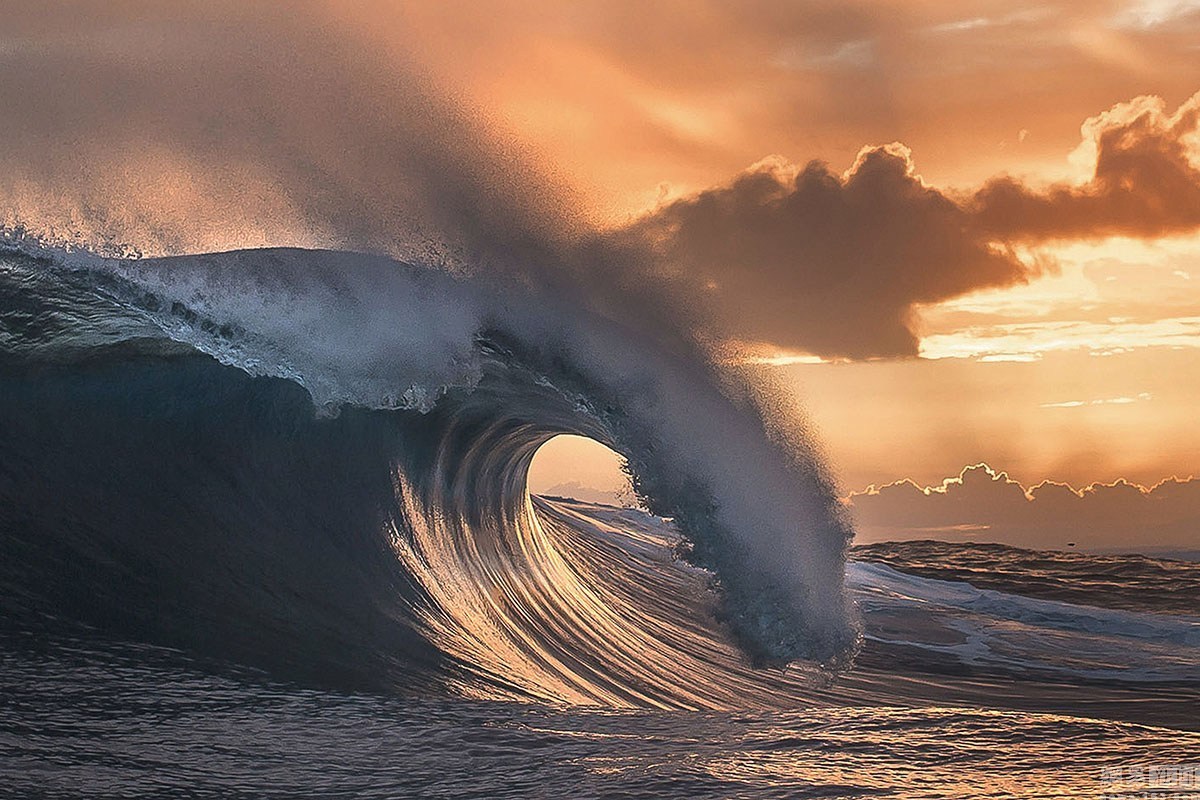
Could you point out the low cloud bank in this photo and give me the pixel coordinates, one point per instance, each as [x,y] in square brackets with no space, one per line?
[984,505]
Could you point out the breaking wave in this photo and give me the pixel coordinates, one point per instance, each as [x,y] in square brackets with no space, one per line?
[314,463]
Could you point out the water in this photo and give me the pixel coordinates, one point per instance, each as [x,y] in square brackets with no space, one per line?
[264,531]
[139,723]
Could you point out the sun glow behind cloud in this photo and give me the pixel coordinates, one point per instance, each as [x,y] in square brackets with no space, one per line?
[1030,340]
[1102,298]
[1107,297]
[985,504]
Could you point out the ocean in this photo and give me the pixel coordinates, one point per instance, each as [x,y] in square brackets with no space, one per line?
[264,532]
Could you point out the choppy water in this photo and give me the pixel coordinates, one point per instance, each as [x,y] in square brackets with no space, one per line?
[143,723]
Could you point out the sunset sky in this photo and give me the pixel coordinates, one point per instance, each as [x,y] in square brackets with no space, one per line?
[1082,368]
[960,232]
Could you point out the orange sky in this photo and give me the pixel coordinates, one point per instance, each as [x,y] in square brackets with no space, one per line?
[1088,373]
[630,97]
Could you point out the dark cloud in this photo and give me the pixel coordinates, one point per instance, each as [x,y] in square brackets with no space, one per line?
[837,265]
[826,263]
[1146,181]
[983,505]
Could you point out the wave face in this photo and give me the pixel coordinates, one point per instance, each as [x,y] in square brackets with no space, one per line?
[314,463]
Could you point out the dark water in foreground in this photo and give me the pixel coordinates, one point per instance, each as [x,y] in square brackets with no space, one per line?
[83,716]
[136,722]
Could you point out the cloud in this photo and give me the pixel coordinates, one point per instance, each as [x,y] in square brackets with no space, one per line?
[984,505]
[1145,182]
[837,265]
[1148,14]
[832,264]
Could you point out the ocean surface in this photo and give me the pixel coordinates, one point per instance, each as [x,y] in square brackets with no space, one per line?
[265,532]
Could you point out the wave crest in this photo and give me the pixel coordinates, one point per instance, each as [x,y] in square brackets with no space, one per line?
[434,393]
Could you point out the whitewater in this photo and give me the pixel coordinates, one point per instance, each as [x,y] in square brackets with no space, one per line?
[265,531]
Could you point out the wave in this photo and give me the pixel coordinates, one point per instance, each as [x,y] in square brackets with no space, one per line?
[314,462]
[988,631]
[1123,581]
